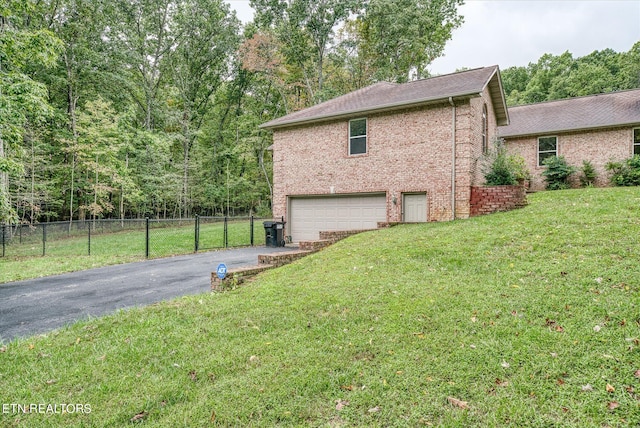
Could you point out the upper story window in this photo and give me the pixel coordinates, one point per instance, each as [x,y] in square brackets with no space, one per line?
[636,141]
[485,125]
[547,147]
[357,136]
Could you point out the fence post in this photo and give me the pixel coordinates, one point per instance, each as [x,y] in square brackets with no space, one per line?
[197,234]
[4,228]
[89,239]
[226,233]
[251,233]
[44,239]
[146,246]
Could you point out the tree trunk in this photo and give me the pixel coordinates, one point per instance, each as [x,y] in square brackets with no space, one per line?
[185,172]
[72,100]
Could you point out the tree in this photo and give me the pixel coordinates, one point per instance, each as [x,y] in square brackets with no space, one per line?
[142,37]
[556,77]
[402,37]
[99,141]
[200,64]
[305,29]
[23,101]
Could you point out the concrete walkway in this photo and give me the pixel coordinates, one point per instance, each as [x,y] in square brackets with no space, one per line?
[44,304]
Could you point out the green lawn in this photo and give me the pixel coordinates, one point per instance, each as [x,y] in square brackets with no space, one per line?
[528,318]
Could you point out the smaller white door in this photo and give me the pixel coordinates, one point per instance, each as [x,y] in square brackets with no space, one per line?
[414,207]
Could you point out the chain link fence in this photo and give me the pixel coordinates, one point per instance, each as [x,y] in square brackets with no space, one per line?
[151,238]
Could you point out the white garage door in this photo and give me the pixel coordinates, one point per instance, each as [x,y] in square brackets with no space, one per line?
[309,216]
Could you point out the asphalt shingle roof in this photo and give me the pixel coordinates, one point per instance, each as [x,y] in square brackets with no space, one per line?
[388,96]
[594,111]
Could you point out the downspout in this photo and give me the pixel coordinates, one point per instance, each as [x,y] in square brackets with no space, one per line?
[453,159]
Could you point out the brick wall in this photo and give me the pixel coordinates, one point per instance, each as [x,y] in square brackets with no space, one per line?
[597,146]
[490,199]
[407,151]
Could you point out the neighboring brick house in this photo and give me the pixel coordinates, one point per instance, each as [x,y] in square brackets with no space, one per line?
[385,153]
[597,128]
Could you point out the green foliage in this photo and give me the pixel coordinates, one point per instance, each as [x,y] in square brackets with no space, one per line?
[557,173]
[588,174]
[625,173]
[402,37]
[556,77]
[500,168]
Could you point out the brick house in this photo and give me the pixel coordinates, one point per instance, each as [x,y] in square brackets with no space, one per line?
[597,128]
[410,152]
[385,153]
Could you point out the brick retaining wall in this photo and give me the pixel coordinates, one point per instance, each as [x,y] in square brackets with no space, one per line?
[491,199]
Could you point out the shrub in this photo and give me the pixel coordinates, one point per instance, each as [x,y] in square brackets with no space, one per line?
[625,173]
[588,174]
[557,173]
[501,169]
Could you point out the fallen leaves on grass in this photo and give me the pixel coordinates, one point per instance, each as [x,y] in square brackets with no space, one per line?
[341,404]
[553,325]
[3,349]
[374,409]
[458,403]
[587,388]
[139,417]
[613,405]
[213,416]
[193,375]
[610,388]
[637,373]
[505,365]
[502,383]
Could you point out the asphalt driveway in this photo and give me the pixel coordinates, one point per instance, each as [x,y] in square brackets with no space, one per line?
[40,305]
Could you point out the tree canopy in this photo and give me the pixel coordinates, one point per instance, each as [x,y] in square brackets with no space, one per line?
[134,108]
[563,76]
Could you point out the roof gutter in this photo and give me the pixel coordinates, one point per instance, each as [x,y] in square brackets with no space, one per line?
[567,130]
[453,158]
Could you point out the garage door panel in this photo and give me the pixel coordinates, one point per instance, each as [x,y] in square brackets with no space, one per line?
[309,216]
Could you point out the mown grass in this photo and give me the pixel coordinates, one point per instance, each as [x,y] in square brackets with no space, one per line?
[532,318]
[24,261]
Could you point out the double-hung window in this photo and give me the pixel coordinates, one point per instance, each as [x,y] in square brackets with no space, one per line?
[636,141]
[547,147]
[358,136]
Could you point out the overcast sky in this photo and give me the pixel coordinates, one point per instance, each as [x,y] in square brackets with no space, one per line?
[516,32]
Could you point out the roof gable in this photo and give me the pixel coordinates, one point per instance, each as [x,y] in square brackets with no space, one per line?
[384,96]
[593,111]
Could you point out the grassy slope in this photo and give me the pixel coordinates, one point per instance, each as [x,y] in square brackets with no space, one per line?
[497,311]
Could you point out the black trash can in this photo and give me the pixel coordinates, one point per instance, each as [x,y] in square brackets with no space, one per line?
[274,233]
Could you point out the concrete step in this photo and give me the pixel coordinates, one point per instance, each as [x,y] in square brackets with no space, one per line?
[281,259]
[315,245]
[336,235]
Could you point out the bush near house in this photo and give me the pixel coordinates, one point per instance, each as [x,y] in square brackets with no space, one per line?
[557,173]
[502,169]
[588,174]
[625,173]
